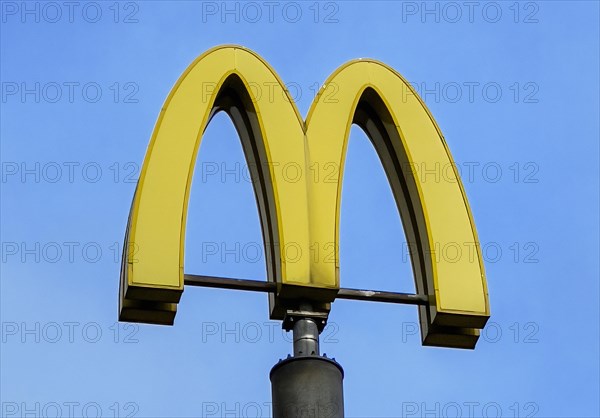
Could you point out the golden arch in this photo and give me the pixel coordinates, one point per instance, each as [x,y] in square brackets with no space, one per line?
[304,214]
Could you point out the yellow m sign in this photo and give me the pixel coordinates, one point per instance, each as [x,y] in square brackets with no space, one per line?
[304,213]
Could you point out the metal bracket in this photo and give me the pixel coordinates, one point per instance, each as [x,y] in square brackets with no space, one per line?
[292,316]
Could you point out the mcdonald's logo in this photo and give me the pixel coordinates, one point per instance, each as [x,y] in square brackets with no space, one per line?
[305,213]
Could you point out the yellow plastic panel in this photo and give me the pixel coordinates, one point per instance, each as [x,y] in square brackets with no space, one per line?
[153,270]
[457,287]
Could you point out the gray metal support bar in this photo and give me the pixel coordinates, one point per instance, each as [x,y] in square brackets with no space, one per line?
[270,287]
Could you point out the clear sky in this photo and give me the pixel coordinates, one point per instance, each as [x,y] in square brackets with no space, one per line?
[514,88]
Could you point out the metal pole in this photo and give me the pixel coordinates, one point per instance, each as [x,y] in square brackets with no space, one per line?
[307,384]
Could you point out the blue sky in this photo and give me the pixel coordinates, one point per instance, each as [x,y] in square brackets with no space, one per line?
[514,88]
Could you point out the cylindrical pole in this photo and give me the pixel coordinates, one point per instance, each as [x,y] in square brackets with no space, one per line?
[308,384]
[306,338]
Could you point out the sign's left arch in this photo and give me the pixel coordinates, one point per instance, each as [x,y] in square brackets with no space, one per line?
[271,130]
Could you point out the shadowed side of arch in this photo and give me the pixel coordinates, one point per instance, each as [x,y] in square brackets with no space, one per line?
[434,212]
[233,80]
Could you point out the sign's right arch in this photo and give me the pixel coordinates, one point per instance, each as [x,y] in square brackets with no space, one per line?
[438,224]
